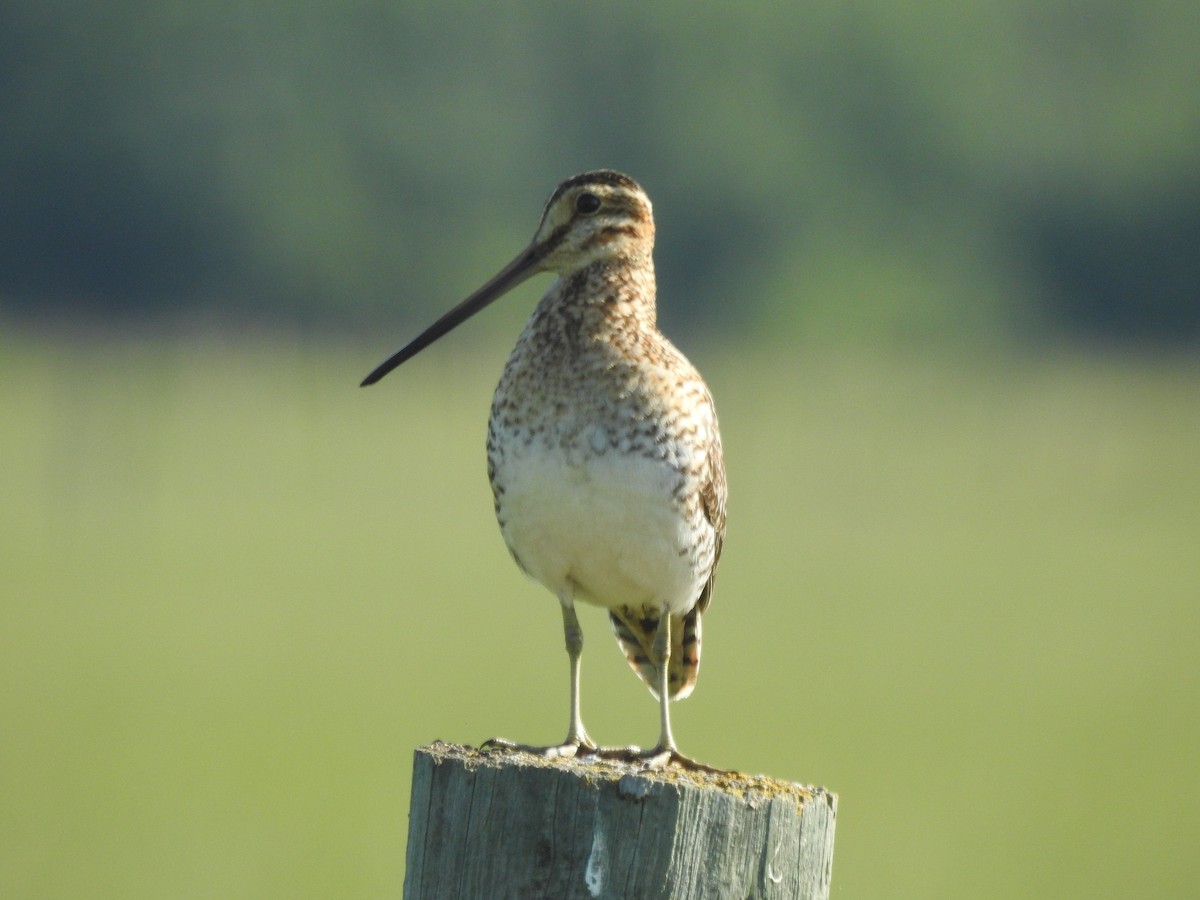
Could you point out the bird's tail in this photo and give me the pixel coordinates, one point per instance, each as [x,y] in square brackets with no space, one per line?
[635,631]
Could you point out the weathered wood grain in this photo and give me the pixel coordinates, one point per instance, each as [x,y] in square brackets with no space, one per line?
[508,824]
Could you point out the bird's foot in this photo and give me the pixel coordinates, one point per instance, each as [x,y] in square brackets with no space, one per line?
[573,746]
[656,758]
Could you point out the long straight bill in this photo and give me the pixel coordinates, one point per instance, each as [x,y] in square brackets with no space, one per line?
[505,280]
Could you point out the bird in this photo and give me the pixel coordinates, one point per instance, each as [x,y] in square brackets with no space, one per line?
[603,449]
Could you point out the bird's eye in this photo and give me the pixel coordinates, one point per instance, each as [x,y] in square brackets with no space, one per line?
[587,204]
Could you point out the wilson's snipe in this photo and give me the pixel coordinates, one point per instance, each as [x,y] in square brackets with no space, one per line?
[603,450]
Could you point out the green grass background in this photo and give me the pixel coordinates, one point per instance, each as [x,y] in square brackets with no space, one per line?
[236,591]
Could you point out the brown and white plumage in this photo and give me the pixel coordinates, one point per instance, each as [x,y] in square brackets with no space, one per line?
[604,454]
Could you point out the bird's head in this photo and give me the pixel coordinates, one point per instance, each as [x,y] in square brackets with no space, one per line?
[590,218]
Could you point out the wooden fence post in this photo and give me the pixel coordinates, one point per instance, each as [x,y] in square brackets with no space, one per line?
[500,824]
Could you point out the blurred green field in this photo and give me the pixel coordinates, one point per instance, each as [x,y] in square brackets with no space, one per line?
[236,591]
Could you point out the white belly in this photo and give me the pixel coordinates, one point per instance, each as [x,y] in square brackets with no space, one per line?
[607,525]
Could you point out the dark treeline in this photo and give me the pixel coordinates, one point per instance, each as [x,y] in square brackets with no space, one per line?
[895,170]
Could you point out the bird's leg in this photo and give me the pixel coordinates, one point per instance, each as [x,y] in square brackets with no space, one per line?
[665,751]
[576,733]
[662,658]
[577,737]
